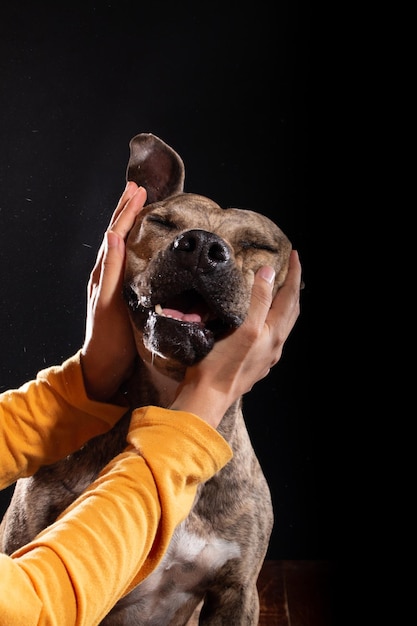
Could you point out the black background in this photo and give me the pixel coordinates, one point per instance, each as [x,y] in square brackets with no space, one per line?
[228,85]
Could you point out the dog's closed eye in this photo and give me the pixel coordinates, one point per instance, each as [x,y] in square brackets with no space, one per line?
[162,221]
[256,245]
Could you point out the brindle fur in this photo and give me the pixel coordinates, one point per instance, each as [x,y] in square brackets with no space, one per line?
[180,242]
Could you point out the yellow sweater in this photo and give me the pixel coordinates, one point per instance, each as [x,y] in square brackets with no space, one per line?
[116,532]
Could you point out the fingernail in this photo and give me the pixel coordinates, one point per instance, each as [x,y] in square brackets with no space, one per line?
[267,273]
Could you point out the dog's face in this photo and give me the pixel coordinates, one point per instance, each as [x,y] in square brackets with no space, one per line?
[190,264]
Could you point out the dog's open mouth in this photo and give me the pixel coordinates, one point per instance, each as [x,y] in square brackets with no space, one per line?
[189,307]
[183,326]
[186,307]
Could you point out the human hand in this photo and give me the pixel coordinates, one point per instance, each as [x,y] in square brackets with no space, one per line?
[246,355]
[109,349]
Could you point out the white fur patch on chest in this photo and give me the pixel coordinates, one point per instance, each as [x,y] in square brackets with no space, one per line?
[205,553]
[189,560]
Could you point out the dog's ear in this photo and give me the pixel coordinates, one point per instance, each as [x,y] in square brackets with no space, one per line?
[156,166]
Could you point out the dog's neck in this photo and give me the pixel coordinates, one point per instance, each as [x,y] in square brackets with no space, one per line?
[165,386]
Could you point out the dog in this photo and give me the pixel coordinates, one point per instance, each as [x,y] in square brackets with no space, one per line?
[190,268]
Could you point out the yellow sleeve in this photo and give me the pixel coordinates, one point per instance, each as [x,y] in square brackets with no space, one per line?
[47,418]
[116,532]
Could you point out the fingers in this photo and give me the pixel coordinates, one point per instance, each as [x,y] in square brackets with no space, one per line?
[293,279]
[278,315]
[112,267]
[285,307]
[287,300]
[130,206]
[128,192]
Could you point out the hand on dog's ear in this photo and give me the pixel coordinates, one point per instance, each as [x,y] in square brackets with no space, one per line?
[109,349]
[155,166]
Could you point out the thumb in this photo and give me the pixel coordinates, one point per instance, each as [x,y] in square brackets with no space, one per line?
[261,298]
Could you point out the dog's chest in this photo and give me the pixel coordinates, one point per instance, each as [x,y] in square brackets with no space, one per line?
[189,564]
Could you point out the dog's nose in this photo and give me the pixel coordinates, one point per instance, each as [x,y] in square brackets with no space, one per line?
[200,249]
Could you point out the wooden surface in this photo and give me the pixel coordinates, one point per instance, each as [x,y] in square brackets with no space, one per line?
[296,593]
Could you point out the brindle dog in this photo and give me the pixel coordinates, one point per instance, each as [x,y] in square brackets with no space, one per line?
[189,271]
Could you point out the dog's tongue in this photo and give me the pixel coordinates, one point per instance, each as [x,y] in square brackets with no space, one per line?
[183,317]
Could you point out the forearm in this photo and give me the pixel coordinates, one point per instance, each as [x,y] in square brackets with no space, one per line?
[210,406]
[144,493]
[47,418]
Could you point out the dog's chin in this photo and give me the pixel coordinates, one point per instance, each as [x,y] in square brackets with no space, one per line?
[184,342]
[183,329]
